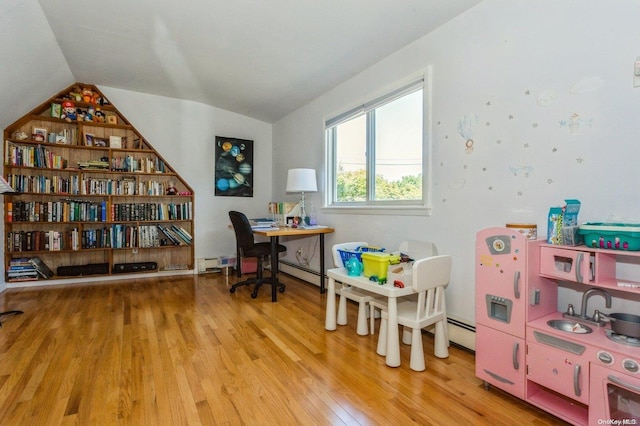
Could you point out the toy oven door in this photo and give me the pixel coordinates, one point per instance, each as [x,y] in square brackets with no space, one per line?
[614,396]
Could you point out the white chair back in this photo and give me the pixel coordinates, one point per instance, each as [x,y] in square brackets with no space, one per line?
[337,260]
[418,249]
[430,276]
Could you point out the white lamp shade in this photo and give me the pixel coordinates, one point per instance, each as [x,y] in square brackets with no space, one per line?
[301,180]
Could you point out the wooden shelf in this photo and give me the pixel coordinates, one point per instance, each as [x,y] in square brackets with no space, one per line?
[145,173]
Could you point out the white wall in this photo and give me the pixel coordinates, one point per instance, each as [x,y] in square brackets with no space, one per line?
[184,132]
[32,64]
[500,62]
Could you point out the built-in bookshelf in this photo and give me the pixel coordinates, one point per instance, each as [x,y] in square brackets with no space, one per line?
[90,190]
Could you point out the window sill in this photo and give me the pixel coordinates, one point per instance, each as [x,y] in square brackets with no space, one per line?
[379,210]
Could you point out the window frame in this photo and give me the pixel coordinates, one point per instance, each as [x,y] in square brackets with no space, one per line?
[401,207]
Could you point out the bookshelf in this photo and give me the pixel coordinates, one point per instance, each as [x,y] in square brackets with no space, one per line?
[91,190]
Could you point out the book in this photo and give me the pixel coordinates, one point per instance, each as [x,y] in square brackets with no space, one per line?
[5,188]
[41,267]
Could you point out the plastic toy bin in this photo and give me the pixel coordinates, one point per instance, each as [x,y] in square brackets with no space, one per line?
[376,264]
[614,236]
[345,255]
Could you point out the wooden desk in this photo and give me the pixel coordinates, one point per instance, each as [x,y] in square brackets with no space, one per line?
[275,233]
[392,293]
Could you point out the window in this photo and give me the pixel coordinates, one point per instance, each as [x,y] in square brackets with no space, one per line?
[376,152]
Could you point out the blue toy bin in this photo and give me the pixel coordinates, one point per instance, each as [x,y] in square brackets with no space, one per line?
[345,255]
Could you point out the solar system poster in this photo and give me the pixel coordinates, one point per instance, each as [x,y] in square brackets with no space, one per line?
[234,167]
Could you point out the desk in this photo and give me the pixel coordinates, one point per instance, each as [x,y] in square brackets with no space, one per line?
[275,233]
[388,290]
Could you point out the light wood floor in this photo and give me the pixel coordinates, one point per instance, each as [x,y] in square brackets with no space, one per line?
[178,351]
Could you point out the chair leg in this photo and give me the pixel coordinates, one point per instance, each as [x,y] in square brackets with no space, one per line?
[416,362]
[372,319]
[382,337]
[362,328]
[440,342]
[342,311]
[407,334]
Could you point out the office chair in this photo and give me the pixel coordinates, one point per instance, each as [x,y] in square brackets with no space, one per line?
[247,247]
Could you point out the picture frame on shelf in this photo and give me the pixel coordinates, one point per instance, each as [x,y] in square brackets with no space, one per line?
[56,109]
[88,139]
[100,142]
[39,134]
[112,119]
[115,142]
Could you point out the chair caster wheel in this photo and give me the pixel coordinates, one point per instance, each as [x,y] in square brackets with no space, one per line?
[232,290]
[281,289]
[254,295]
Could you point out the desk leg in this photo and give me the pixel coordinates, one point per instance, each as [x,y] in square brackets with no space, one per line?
[330,318]
[322,289]
[393,339]
[274,268]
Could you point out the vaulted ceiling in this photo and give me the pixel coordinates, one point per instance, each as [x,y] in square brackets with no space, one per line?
[259,58]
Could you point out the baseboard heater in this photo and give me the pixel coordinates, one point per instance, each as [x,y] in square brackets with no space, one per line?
[460,333]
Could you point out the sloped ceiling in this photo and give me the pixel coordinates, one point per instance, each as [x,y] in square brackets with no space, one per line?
[259,58]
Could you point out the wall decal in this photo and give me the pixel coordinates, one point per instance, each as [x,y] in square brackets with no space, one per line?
[466,127]
[574,122]
[521,168]
[585,85]
[546,97]
[458,184]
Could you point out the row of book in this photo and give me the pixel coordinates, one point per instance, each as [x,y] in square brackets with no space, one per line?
[129,163]
[122,212]
[27,269]
[33,156]
[115,236]
[57,211]
[89,211]
[74,185]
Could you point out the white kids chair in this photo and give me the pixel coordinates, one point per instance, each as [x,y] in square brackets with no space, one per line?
[361,297]
[430,277]
[415,250]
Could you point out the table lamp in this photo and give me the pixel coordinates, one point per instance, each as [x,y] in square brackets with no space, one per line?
[302,180]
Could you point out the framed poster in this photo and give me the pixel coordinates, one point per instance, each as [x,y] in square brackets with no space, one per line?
[233,167]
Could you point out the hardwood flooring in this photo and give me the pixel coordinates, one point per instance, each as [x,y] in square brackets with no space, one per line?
[183,351]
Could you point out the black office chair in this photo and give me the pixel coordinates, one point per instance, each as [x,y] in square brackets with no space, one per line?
[247,247]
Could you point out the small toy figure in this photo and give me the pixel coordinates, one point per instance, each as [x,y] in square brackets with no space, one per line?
[89,115]
[68,111]
[76,94]
[171,188]
[99,116]
[87,94]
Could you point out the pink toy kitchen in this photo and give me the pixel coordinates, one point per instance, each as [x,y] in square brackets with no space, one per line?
[577,362]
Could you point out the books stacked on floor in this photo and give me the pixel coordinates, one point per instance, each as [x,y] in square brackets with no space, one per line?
[20,269]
